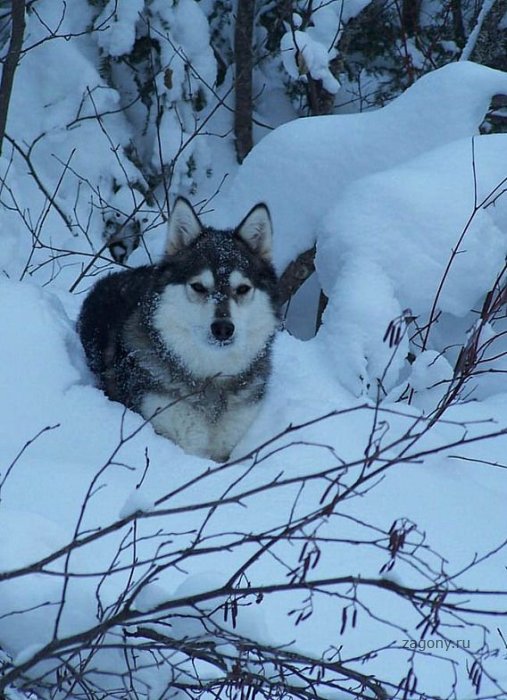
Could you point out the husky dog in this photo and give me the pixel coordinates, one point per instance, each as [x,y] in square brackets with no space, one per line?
[187,342]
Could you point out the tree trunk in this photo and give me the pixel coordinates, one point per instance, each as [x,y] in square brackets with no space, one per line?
[11,62]
[243,39]
[410,10]
[457,23]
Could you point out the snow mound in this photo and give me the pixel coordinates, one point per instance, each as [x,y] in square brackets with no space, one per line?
[394,238]
[301,168]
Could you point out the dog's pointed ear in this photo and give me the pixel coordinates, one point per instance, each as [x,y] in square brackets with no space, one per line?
[256,230]
[184,226]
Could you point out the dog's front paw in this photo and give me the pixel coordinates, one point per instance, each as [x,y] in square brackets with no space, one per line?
[220,456]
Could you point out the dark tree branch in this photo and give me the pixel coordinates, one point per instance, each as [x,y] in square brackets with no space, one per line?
[243,37]
[295,274]
[457,23]
[410,10]
[11,62]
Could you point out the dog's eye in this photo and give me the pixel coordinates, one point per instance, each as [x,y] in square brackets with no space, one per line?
[199,288]
[243,289]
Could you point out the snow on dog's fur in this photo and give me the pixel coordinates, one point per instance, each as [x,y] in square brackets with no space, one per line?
[187,342]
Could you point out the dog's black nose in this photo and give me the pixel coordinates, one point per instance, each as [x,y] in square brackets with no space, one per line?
[222,329]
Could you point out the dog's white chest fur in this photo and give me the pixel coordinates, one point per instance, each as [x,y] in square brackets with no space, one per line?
[180,421]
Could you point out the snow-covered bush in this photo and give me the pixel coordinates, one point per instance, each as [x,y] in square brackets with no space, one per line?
[157,56]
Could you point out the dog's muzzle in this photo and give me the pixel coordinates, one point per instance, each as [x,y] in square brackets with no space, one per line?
[222,329]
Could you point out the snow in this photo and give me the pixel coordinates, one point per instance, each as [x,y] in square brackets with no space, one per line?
[27,654]
[406,224]
[301,55]
[429,378]
[386,196]
[441,107]
[150,598]
[135,503]
[120,19]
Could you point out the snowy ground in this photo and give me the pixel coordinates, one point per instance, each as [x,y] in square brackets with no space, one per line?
[386,195]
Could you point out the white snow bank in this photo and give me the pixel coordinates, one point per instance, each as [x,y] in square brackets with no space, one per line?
[36,355]
[410,218]
[50,482]
[386,245]
[301,168]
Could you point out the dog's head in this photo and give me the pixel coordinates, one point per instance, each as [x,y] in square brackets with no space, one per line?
[219,308]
